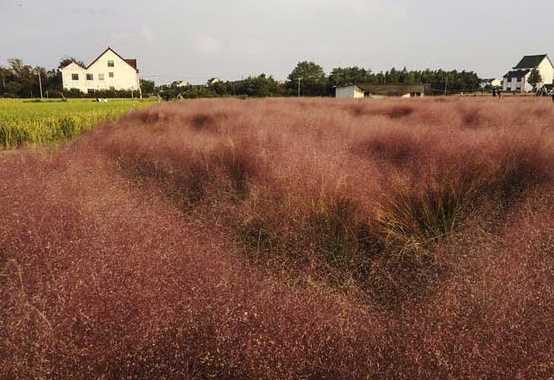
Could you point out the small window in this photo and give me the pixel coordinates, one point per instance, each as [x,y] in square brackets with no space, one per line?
[110,74]
[101,77]
[90,77]
[110,64]
[75,76]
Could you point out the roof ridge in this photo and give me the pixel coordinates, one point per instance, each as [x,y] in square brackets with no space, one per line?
[113,51]
[531,61]
[104,52]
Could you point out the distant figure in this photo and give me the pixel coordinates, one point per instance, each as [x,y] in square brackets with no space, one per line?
[494,92]
[499,94]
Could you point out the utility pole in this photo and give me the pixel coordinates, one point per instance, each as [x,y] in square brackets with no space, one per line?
[299,82]
[139,89]
[39,83]
[446,85]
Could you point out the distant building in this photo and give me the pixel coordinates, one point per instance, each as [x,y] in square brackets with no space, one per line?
[213,81]
[352,91]
[491,83]
[517,80]
[357,91]
[109,71]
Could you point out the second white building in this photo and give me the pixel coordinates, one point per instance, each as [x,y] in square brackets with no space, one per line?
[517,80]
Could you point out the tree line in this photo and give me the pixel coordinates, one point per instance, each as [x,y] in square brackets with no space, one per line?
[306,79]
[309,79]
[19,80]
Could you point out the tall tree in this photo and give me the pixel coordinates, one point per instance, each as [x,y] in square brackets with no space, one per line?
[147,87]
[535,78]
[24,75]
[311,79]
[341,76]
[4,74]
[67,60]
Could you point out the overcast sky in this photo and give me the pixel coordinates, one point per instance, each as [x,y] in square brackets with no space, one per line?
[198,39]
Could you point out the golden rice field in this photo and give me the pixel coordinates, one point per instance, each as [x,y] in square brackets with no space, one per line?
[35,122]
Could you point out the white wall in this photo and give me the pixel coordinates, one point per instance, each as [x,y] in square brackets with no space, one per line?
[125,77]
[349,92]
[525,85]
[518,86]
[68,71]
[547,72]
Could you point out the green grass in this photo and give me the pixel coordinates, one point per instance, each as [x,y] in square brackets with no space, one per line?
[35,122]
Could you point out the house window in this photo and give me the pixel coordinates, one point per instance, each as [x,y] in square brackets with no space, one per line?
[101,77]
[110,64]
[90,77]
[75,76]
[110,74]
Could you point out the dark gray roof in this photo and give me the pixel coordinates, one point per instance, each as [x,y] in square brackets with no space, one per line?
[530,61]
[518,74]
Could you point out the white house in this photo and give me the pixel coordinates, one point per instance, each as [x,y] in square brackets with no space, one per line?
[109,71]
[349,92]
[517,80]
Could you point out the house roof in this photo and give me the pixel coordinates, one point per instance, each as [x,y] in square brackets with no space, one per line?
[391,89]
[531,61]
[73,62]
[130,62]
[518,74]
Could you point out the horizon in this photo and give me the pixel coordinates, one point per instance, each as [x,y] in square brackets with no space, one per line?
[174,42]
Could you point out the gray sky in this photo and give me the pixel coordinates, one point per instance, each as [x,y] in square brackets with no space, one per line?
[198,39]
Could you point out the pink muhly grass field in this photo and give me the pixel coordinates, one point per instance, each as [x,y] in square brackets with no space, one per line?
[275,239]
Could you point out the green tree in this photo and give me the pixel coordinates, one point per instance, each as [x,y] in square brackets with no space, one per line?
[535,78]
[4,76]
[54,84]
[312,79]
[147,87]
[341,76]
[25,77]
[67,60]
